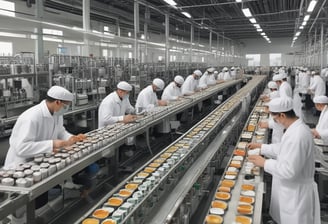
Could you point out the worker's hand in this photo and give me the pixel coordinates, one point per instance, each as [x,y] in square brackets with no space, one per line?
[162,102]
[129,118]
[263,124]
[58,144]
[81,137]
[315,133]
[254,145]
[256,160]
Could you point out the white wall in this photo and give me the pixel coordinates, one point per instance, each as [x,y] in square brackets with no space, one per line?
[278,45]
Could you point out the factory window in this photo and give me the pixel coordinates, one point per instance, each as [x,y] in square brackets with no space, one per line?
[130,55]
[275,59]
[104,52]
[253,59]
[52,32]
[106,28]
[6,48]
[7,8]
[160,58]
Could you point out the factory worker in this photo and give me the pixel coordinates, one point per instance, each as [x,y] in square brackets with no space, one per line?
[285,90]
[207,79]
[274,93]
[147,98]
[233,72]
[190,85]
[321,130]
[304,80]
[221,74]
[318,86]
[113,108]
[173,90]
[294,197]
[40,128]
[226,76]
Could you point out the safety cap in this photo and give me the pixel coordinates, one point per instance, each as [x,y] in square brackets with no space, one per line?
[179,79]
[124,86]
[159,83]
[281,104]
[60,93]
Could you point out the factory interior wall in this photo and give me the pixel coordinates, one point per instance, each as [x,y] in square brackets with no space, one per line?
[278,45]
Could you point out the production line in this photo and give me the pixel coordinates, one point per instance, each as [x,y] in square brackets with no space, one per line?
[97,147]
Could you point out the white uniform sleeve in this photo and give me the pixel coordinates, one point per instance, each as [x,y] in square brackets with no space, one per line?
[270,150]
[187,88]
[106,114]
[23,140]
[202,82]
[130,109]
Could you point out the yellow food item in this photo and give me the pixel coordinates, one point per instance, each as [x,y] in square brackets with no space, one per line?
[239,152]
[231,173]
[125,193]
[149,169]
[166,155]
[245,209]
[247,187]
[246,199]
[214,219]
[143,174]
[224,189]
[109,221]
[154,165]
[219,204]
[90,221]
[222,195]
[100,214]
[228,183]
[243,219]
[131,186]
[115,201]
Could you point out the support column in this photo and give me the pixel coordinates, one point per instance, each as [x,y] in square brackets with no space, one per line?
[191,41]
[118,49]
[147,19]
[136,29]
[224,50]
[321,48]
[39,52]
[167,42]
[314,47]
[86,27]
[210,43]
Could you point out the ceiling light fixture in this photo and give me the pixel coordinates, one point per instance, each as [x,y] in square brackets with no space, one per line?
[304,23]
[239,0]
[301,27]
[171,2]
[298,33]
[257,26]
[252,20]
[247,12]
[263,34]
[186,14]
[259,30]
[311,6]
[306,18]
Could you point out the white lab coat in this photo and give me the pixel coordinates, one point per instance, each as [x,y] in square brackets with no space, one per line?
[171,92]
[322,126]
[226,76]
[147,99]
[277,130]
[285,90]
[33,133]
[274,94]
[112,109]
[294,197]
[189,86]
[220,76]
[233,74]
[304,80]
[206,80]
[318,86]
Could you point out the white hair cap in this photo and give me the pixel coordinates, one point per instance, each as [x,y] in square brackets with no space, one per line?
[198,73]
[281,104]
[159,83]
[210,70]
[232,68]
[320,99]
[60,93]
[272,85]
[277,77]
[124,86]
[179,79]
[216,72]
[225,69]
[283,75]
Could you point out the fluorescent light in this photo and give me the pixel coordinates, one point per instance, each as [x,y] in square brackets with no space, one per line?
[257,26]
[239,0]
[301,27]
[252,20]
[298,33]
[171,2]
[311,6]
[263,34]
[77,28]
[8,34]
[247,12]
[304,23]
[306,18]
[259,30]
[186,14]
